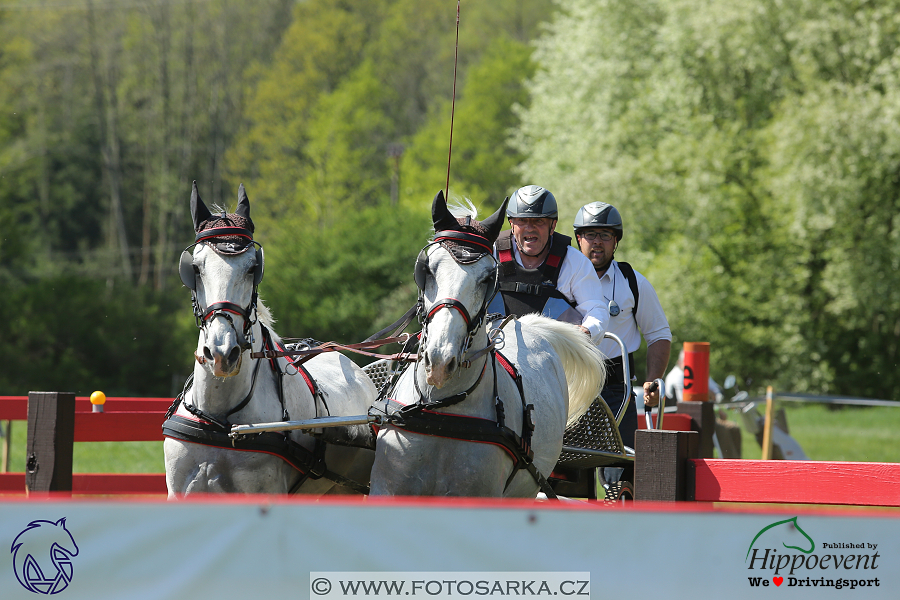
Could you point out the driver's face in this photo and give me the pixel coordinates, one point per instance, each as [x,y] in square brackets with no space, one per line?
[532,234]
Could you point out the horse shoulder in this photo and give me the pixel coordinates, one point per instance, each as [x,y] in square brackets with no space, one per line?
[543,376]
[342,381]
[529,351]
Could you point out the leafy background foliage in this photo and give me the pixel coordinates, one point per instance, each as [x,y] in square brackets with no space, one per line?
[753,149]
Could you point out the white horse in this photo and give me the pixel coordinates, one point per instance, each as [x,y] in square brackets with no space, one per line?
[229,387]
[458,422]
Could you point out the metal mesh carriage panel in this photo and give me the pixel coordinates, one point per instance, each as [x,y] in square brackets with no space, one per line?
[596,432]
[381,371]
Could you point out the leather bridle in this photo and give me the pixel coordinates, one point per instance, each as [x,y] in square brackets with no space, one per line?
[224,308]
[473,324]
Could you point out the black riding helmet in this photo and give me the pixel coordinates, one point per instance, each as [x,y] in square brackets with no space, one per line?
[531,202]
[599,214]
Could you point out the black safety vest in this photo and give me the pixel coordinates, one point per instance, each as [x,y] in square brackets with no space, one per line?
[529,290]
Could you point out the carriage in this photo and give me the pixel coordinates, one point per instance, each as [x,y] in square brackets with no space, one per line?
[237,430]
[594,463]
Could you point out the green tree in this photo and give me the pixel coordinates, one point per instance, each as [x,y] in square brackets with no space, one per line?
[482,163]
[107,112]
[752,150]
[74,334]
[351,83]
[346,281]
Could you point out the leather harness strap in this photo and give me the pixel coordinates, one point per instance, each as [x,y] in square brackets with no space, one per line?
[421,418]
[310,463]
[207,430]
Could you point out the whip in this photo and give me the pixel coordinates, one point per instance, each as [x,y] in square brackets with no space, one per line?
[452,102]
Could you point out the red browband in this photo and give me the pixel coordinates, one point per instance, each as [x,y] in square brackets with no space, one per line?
[462,236]
[215,232]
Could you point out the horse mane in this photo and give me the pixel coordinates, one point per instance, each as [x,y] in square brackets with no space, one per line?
[462,208]
[465,213]
[264,314]
[581,360]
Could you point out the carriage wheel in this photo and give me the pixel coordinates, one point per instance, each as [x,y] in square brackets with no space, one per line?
[619,492]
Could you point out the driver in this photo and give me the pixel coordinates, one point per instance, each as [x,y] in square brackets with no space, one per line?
[634,310]
[540,271]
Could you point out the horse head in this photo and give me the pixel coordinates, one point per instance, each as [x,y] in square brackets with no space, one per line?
[457,272]
[223,275]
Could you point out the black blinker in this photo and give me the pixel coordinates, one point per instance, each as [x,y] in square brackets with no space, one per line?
[186,270]
[421,270]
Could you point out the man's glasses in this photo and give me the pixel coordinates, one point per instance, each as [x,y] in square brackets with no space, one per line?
[539,222]
[593,235]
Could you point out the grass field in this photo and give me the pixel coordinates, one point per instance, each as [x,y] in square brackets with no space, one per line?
[96,457]
[856,434]
[846,434]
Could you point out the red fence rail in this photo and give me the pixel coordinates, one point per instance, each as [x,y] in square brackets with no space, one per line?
[794,481]
[135,420]
[667,459]
[123,420]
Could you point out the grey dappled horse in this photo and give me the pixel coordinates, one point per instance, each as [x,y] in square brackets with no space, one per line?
[229,387]
[460,380]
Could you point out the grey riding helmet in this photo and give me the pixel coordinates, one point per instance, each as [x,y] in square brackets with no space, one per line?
[531,202]
[599,214]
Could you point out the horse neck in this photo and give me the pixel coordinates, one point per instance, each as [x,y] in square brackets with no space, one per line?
[218,395]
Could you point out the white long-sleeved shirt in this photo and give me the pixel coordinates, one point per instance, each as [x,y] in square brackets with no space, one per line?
[651,319]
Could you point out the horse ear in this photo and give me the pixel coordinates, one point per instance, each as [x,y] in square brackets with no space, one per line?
[243,208]
[494,223]
[199,212]
[441,216]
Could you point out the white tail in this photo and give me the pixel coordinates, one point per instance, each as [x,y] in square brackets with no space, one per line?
[582,360]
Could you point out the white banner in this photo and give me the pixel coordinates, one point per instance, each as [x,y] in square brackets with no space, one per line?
[441,585]
[254,547]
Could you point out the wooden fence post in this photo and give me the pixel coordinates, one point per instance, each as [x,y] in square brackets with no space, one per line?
[51,434]
[703,420]
[660,465]
[767,425]
[4,454]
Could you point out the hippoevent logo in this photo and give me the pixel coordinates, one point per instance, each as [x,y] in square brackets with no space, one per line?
[784,554]
[42,556]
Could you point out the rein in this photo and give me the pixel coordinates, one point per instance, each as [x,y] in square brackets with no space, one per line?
[334,347]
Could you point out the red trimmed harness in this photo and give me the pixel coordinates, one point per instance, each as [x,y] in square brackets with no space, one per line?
[205,429]
[423,419]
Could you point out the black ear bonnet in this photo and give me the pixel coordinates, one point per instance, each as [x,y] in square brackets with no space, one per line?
[226,233]
[465,239]
[466,248]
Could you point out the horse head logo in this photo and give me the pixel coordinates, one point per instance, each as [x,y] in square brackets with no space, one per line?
[42,556]
[789,533]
